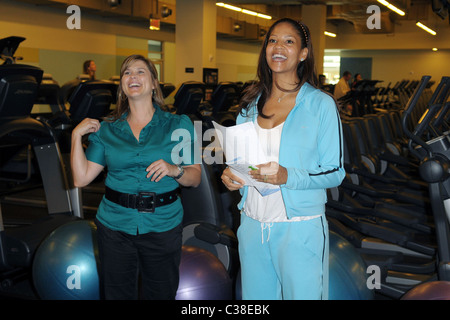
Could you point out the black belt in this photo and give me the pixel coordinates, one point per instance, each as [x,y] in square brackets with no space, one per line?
[143,201]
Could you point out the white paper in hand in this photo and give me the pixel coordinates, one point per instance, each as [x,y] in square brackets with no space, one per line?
[241,148]
[241,170]
[240,142]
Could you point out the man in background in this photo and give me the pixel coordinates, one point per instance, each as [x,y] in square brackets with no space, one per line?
[342,87]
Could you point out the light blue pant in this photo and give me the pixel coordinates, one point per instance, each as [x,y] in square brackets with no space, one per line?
[283,260]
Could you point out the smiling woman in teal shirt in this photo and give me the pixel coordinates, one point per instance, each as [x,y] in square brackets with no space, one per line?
[128,158]
[148,153]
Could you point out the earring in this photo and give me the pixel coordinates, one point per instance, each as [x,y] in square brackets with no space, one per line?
[301,60]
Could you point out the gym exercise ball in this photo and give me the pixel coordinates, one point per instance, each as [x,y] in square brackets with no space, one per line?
[202,276]
[65,264]
[433,290]
[348,277]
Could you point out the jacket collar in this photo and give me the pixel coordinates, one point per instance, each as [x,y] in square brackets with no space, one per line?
[252,112]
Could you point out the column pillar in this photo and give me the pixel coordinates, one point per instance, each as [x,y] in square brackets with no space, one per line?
[195,39]
[315,17]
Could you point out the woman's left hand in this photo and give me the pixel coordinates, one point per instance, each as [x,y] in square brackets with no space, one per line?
[160,168]
[270,172]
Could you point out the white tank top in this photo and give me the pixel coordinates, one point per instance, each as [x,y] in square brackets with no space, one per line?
[269,208]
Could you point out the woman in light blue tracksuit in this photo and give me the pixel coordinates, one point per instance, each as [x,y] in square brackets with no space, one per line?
[283,237]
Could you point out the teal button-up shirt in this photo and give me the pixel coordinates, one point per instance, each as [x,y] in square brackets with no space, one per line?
[167,136]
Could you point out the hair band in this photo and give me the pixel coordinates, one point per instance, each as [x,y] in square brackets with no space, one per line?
[304,32]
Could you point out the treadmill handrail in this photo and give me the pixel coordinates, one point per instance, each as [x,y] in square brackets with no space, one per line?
[435,104]
[27,123]
[412,102]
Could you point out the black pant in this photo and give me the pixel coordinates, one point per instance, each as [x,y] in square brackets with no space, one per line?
[154,256]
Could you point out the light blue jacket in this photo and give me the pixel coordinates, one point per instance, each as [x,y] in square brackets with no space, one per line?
[311,149]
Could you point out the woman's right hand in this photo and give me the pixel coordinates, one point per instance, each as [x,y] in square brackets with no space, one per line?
[83,171]
[231,181]
[86,126]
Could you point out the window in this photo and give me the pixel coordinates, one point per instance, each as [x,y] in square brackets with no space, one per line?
[331,66]
[155,54]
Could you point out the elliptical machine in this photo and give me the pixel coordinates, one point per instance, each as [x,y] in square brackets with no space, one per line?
[401,270]
[434,156]
[8,47]
[19,86]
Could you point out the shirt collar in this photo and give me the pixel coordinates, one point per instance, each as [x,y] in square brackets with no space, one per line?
[159,118]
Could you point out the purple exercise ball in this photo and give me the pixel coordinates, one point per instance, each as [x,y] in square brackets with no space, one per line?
[433,290]
[202,276]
